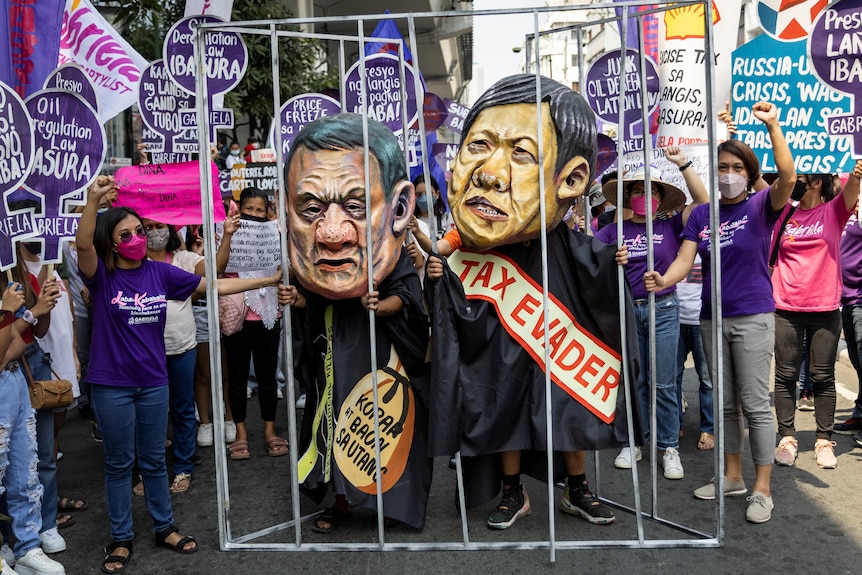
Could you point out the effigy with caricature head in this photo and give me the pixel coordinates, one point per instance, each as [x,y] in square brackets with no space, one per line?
[326,210]
[494,193]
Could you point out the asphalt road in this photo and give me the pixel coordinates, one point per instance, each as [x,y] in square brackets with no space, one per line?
[814,529]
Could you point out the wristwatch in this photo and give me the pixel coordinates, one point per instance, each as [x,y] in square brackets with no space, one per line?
[29,317]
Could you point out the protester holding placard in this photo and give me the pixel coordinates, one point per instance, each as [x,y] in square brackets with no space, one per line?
[666,198]
[129,379]
[747,303]
[806,283]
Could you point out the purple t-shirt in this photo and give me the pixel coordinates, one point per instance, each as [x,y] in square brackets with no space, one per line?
[665,240]
[129,309]
[746,229]
[851,263]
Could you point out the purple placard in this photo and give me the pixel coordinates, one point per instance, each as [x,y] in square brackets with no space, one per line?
[835,58]
[607,154]
[16,140]
[299,111]
[69,144]
[162,103]
[457,114]
[72,78]
[15,225]
[226,56]
[603,89]
[383,85]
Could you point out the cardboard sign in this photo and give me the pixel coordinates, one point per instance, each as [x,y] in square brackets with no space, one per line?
[299,111]
[254,246]
[167,193]
[261,175]
[162,102]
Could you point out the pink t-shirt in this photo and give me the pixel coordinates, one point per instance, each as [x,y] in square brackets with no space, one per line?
[807,275]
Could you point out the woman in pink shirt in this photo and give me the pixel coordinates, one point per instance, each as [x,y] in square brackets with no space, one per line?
[806,285]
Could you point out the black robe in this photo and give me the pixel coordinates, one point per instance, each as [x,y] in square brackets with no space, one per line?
[488,393]
[346,430]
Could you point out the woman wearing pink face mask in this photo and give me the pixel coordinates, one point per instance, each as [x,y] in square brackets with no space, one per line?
[670,200]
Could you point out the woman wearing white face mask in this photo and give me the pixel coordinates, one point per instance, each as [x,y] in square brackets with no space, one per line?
[234,157]
[747,303]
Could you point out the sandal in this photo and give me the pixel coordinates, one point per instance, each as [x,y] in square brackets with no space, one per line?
[238,450]
[70,504]
[332,516]
[65,520]
[112,558]
[179,546]
[181,483]
[138,489]
[706,441]
[276,446]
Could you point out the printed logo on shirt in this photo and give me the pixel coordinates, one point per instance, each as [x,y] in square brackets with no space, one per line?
[725,232]
[638,245]
[794,230]
[142,308]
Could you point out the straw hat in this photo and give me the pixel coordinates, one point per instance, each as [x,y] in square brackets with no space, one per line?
[673,199]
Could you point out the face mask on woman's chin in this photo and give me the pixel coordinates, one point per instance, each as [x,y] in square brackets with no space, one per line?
[732,186]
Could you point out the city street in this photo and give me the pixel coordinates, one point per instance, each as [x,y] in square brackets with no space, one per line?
[814,528]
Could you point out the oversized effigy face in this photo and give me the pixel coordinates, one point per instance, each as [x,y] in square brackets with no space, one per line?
[494,193]
[327,221]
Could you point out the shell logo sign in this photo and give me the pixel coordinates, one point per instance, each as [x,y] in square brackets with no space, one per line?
[354,432]
[682,23]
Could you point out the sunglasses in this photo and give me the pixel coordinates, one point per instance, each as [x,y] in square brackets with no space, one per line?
[126,235]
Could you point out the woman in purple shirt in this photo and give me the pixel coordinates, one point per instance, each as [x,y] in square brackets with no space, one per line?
[665,242]
[748,333]
[129,378]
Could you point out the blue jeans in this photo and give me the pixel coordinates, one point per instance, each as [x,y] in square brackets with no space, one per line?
[40,368]
[181,383]
[18,460]
[691,340]
[666,344]
[134,420]
[851,318]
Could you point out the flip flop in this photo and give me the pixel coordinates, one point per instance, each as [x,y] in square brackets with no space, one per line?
[181,483]
[276,446]
[138,489]
[70,504]
[238,450]
[65,520]
[334,516]
[706,441]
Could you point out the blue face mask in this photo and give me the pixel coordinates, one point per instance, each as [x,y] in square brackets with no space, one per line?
[422,203]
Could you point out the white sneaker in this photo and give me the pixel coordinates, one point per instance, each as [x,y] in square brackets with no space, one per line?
[229,431]
[624,459]
[7,555]
[205,435]
[300,401]
[35,562]
[672,464]
[52,541]
[5,569]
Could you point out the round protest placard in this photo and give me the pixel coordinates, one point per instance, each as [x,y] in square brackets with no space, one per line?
[72,78]
[161,101]
[69,143]
[383,87]
[225,60]
[16,140]
[299,111]
[603,87]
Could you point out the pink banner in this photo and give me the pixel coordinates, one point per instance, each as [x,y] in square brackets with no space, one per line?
[167,193]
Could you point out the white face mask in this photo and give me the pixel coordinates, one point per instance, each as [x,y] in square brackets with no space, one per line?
[732,186]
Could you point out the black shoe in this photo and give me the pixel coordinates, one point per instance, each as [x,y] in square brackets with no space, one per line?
[514,505]
[580,501]
[851,426]
[97,433]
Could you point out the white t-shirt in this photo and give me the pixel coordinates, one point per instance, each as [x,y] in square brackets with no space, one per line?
[688,291]
[180,323]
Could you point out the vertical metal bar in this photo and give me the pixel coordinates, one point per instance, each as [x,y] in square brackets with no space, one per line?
[402,92]
[342,77]
[222,487]
[549,414]
[715,247]
[621,279]
[287,330]
[528,50]
[372,323]
[588,213]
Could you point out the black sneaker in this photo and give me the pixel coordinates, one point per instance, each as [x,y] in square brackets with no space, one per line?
[851,426]
[580,501]
[514,505]
[97,433]
[806,401]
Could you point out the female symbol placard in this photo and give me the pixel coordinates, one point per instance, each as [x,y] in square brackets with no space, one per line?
[383,88]
[16,140]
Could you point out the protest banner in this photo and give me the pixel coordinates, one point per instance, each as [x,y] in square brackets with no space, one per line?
[29,41]
[457,114]
[16,140]
[15,226]
[836,58]
[254,246]
[72,78]
[383,89]
[299,111]
[263,155]
[779,72]
[604,95]
[684,114]
[260,175]
[110,62]
[161,101]
[167,193]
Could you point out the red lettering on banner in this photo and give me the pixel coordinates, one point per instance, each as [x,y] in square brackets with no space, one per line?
[506,281]
[484,275]
[468,265]
[556,340]
[539,329]
[589,368]
[529,304]
[609,381]
[574,344]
